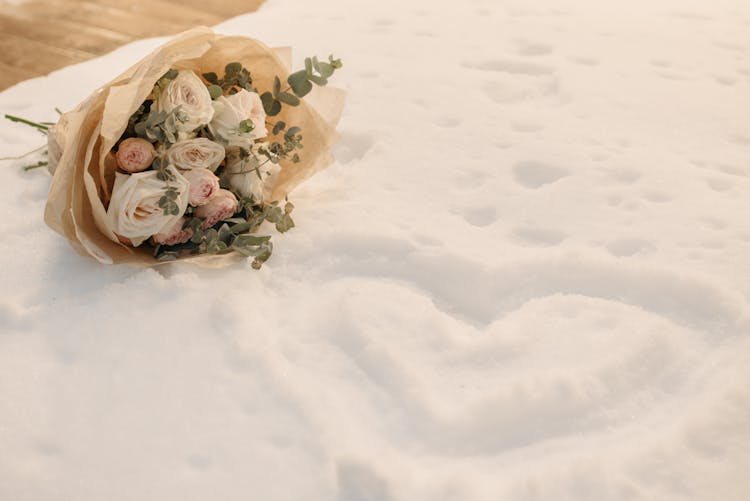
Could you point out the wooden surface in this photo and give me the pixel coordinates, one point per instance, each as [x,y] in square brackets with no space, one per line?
[38,36]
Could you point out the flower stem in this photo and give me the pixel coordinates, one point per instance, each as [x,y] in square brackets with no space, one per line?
[41,163]
[40,126]
[19,157]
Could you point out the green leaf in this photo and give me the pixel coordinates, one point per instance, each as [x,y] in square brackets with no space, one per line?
[336,63]
[225,234]
[274,214]
[278,127]
[167,256]
[318,80]
[300,84]
[244,241]
[241,227]
[275,109]
[171,74]
[308,66]
[215,91]
[232,69]
[197,237]
[285,223]
[289,99]
[276,86]
[271,106]
[211,78]
[292,131]
[326,70]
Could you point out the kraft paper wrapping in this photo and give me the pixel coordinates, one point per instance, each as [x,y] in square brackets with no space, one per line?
[80,143]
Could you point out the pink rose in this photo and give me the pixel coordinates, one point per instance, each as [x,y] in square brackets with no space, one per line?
[221,206]
[174,234]
[203,185]
[135,155]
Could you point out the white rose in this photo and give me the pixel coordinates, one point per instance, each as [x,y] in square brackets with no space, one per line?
[189,93]
[134,211]
[233,109]
[198,153]
[248,178]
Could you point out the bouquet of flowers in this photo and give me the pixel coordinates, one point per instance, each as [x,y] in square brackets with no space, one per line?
[191,151]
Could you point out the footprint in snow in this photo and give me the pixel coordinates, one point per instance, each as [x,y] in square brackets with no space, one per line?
[536,174]
[538,237]
[625,247]
[479,216]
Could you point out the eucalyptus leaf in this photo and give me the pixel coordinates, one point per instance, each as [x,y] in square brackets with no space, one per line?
[326,70]
[318,80]
[215,91]
[271,106]
[225,234]
[300,84]
[250,240]
[285,223]
[278,127]
[289,99]
[232,69]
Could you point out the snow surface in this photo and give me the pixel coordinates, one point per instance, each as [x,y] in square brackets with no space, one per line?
[525,278]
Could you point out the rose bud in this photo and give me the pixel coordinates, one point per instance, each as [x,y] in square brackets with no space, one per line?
[203,185]
[174,234]
[221,206]
[135,155]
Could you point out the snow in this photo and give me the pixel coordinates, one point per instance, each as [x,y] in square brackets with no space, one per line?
[525,278]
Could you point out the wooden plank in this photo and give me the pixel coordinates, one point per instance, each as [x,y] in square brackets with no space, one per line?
[57,33]
[30,55]
[38,36]
[156,11]
[223,8]
[102,16]
[11,75]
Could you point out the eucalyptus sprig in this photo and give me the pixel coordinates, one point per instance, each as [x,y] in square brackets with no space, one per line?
[315,72]
[42,127]
[225,237]
[162,83]
[235,77]
[300,83]
[161,126]
[168,201]
[276,151]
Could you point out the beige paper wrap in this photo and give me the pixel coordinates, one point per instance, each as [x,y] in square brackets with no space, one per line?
[80,143]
